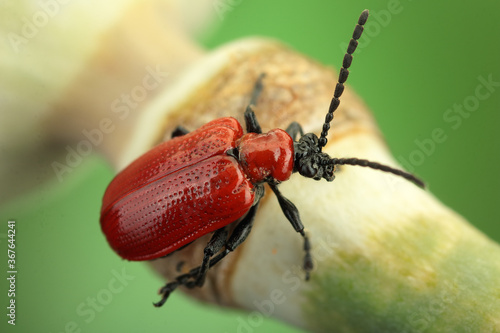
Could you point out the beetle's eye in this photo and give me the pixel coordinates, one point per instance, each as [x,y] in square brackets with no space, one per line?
[308,170]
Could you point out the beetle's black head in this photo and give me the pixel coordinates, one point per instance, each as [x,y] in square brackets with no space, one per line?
[310,162]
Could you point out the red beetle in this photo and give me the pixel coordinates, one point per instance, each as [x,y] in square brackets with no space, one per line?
[202,181]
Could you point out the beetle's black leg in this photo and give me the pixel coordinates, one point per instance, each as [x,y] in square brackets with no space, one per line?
[292,214]
[250,118]
[214,245]
[242,230]
[166,290]
[294,129]
[239,234]
[179,131]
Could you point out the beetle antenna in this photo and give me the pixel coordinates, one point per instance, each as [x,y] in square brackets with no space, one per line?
[377,166]
[344,73]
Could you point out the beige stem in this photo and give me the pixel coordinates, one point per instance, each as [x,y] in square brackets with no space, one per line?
[389,256]
[137,58]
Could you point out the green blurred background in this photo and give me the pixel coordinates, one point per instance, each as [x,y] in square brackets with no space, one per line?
[413,67]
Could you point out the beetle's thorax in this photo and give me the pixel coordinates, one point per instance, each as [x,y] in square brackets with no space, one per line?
[268,155]
[310,162]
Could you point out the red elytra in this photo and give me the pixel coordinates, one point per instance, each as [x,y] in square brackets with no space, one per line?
[187,187]
[202,182]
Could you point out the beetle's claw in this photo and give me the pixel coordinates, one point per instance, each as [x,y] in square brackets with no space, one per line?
[166,290]
[308,266]
[160,303]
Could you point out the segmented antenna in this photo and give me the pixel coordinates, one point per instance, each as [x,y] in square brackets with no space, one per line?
[344,73]
[377,166]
